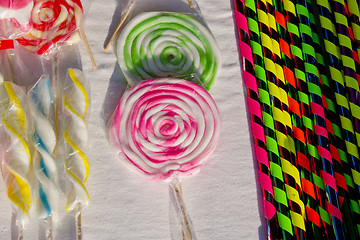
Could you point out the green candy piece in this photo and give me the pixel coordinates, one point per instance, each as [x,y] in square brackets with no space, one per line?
[161,44]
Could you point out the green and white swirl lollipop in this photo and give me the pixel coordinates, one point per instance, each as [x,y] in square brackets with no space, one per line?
[162,44]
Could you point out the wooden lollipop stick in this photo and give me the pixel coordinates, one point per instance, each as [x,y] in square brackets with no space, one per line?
[49,232]
[78,223]
[20,231]
[87,46]
[131,5]
[185,221]
[183,232]
[11,66]
[56,79]
[191,3]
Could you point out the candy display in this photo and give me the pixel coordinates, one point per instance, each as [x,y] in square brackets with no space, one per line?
[41,107]
[283,210]
[258,126]
[17,157]
[158,44]
[76,102]
[321,73]
[347,155]
[165,128]
[52,23]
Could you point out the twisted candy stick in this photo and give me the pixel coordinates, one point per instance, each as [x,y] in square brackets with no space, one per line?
[40,104]
[156,45]
[294,71]
[282,117]
[345,183]
[52,23]
[354,19]
[165,128]
[17,156]
[314,90]
[76,103]
[257,127]
[267,109]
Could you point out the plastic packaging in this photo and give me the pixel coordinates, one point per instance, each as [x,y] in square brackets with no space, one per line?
[15,150]
[14,16]
[164,129]
[52,23]
[76,103]
[166,39]
[46,170]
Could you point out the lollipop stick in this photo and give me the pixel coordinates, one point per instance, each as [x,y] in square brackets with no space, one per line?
[49,232]
[56,104]
[130,7]
[91,56]
[186,224]
[191,4]
[78,223]
[20,231]
[11,67]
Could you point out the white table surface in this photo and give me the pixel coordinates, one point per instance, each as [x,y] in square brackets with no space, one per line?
[222,199]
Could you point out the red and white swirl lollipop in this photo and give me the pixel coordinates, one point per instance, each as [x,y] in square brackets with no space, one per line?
[52,22]
[165,127]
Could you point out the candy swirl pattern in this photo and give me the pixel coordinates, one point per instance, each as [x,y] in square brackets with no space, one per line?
[17,157]
[41,105]
[159,44]
[165,128]
[52,23]
[76,103]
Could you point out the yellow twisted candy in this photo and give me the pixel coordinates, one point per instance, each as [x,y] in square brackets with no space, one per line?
[76,103]
[17,157]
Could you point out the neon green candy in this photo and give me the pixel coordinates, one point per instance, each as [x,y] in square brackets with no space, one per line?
[159,44]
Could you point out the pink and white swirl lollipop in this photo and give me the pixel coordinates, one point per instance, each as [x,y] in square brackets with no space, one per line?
[52,22]
[165,127]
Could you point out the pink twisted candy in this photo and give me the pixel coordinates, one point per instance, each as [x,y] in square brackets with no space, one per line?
[52,22]
[165,127]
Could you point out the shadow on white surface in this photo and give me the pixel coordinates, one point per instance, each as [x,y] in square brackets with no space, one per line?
[116,88]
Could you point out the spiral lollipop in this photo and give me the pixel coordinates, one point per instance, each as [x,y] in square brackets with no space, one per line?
[41,101]
[76,103]
[16,157]
[164,129]
[158,44]
[52,23]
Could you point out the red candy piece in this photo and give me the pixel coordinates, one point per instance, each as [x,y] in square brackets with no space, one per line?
[52,22]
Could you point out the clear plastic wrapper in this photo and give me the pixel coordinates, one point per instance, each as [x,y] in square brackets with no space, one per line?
[46,167]
[166,39]
[15,65]
[52,24]
[165,129]
[14,16]
[76,108]
[16,152]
